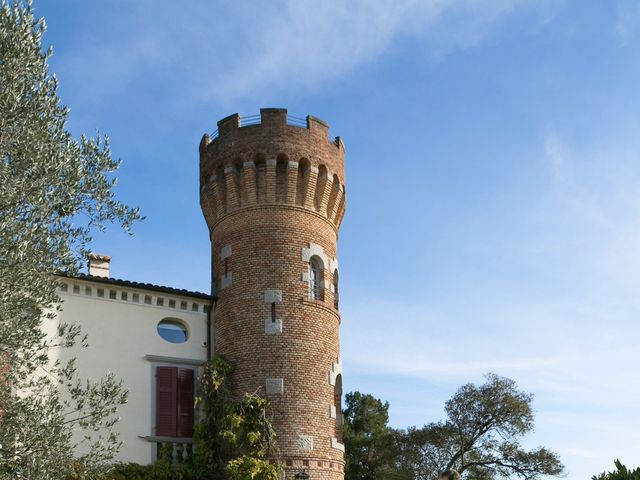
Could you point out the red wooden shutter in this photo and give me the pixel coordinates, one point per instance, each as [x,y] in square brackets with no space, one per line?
[166,408]
[185,402]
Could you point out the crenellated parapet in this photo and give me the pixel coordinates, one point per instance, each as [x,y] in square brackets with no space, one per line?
[272,192]
[272,160]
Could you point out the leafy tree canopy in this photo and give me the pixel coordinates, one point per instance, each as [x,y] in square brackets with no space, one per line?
[55,190]
[368,439]
[480,438]
[620,473]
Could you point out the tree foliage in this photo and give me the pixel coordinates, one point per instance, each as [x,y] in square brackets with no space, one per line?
[55,190]
[367,437]
[487,422]
[480,438]
[620,473]
[234,439]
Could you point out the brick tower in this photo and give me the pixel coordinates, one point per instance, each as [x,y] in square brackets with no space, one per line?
[272,193]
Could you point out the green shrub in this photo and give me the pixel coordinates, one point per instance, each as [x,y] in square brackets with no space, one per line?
[620,473]
[157,471]
[160,470]
[234,439]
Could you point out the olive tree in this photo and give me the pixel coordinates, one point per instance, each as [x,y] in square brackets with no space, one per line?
[55,191]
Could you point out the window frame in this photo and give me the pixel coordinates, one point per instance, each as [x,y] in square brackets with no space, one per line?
[316,278]
[177,322]
[336,289]
[154,398]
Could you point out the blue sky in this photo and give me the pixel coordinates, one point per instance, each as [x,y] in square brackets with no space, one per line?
[492,178]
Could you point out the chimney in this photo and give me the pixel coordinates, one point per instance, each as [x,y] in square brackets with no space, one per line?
[99,265]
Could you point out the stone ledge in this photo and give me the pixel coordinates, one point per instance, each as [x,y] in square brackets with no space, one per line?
[272,327]
[320,304]
[315,250]
[273,296]
[304,443]
[336,444]
[284,206]
[274,386]
[336,369]
[156,439]
[226,280]
[182,361]
[225,252]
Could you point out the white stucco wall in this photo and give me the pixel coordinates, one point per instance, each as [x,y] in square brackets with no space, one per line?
[123,339]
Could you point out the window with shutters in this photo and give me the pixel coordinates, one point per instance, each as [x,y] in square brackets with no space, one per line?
[174,402]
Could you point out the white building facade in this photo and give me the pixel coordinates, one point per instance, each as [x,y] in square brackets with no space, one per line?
[151,337]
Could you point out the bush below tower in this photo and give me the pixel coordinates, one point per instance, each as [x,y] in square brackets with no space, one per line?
[233,440]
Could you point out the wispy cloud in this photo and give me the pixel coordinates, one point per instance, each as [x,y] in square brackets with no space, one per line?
[567,330]
[253,50]
[308,43]
[596,196]
[581,250]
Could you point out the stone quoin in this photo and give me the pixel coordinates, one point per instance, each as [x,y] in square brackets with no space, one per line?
[272,193]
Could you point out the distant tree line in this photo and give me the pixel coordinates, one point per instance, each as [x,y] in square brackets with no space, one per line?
[480,438]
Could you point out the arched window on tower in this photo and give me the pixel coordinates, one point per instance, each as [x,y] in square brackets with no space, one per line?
[336,292]
[337,403]
[315,278]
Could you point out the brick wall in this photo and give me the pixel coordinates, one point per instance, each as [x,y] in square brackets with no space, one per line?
[273,197]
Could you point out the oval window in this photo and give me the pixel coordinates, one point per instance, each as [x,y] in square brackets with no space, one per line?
[173,330]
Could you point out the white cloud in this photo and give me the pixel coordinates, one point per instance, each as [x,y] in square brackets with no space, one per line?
[252,50]
[305,44]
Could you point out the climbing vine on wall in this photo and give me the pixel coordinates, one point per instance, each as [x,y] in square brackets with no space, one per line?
[234,440]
